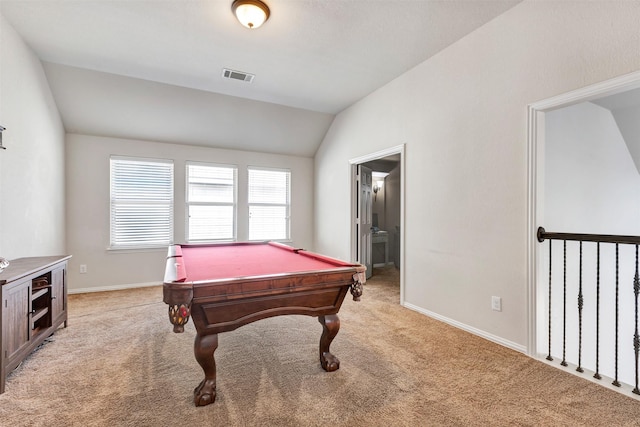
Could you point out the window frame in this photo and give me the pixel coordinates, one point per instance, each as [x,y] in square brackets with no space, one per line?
[287,205]
[234,204]
[115,201]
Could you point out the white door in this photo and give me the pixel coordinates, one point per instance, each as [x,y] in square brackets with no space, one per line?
[364,217]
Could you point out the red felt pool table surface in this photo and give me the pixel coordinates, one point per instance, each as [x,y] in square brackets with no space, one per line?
[207,263]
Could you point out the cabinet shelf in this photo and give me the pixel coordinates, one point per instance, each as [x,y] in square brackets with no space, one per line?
[39,292]
[39,314]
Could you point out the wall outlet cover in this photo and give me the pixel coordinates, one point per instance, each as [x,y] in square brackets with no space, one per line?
[496,303]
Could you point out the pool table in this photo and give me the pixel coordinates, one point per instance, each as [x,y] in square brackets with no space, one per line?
[225,286]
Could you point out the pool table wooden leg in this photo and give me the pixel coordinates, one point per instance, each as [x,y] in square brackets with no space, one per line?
[204,347]
[330,327]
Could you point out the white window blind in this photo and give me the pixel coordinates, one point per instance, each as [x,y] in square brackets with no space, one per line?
[141,203]
[269,204]
[211,202]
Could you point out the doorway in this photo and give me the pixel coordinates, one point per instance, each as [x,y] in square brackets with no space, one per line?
[377,214]
[571,109]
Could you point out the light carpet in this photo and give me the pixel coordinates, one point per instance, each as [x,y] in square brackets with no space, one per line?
[119,364]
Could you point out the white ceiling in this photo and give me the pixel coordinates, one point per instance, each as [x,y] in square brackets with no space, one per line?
[151,69]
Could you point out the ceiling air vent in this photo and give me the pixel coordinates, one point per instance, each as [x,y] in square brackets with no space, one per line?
[237,75]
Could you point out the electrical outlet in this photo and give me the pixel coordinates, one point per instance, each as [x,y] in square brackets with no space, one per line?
[496,303]
[83,268]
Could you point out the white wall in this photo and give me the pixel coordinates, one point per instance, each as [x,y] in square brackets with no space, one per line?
[463,117]
[32,210]
[591,183]
[88,205]
[629,125]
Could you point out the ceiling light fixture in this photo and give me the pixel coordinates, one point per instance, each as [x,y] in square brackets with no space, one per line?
[250,13]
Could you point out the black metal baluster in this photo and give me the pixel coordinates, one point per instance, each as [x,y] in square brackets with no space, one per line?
[636,338]
[597,374]
[615,381]
[580,304]
[564,308]
[549,354]
[543,235]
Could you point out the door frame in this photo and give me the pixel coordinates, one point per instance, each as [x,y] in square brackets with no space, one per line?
[398,149]
[535,172]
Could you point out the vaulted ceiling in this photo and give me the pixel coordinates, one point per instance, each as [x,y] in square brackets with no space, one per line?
[625,109]
[152,69]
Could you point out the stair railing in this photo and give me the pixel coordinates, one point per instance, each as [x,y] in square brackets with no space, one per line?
[616,240]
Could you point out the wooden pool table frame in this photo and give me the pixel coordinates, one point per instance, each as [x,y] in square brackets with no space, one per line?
[224,305]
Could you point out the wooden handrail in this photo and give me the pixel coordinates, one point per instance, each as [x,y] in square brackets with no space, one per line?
[605,238]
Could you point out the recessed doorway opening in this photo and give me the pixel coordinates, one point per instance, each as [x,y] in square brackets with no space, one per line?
[377,214]
[584,152]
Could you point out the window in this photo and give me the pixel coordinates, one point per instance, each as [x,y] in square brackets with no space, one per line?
[269,204]
[141,203]
[211,202]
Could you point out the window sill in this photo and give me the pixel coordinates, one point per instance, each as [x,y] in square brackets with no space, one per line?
[137,249]
[286,241]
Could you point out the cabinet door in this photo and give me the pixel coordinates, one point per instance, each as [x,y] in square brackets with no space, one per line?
[58,284]
[15,318]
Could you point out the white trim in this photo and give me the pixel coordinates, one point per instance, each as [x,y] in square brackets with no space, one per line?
[112,288]
[598,90]
[532,221]
[124,250]
[398,149]
[605,381]
[478,332]
[354,211]
[141,159]
[535,165]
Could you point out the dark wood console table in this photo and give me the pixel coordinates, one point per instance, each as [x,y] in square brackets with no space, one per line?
[34,305]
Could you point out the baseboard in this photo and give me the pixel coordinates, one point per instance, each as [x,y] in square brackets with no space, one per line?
[113,288]
[494,338]
[587,374]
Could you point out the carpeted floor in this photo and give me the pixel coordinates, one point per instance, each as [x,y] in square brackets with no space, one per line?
[119,364]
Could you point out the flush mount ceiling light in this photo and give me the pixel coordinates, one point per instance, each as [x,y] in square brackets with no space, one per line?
[250,13]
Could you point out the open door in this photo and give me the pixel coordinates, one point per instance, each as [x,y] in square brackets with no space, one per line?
[364,218]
